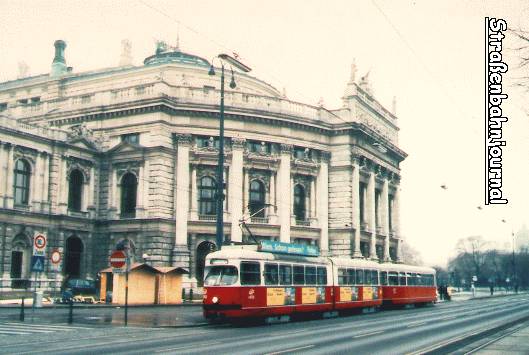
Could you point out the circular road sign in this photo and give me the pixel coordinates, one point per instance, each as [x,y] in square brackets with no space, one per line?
[40,242]
[55,256]
[118,259]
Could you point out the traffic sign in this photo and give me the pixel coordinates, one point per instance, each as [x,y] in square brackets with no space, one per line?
[40,241]
[118,259]
[37,263]
[55,257]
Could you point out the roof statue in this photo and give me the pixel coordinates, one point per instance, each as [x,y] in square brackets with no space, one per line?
[125,58]
[23,70]
[394,105]
[365,84]
[284,93]
[161,47]
[353,71]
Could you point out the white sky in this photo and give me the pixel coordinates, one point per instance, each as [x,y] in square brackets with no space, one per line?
[428,54]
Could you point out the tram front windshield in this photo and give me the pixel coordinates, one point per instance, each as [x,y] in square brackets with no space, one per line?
[221,275]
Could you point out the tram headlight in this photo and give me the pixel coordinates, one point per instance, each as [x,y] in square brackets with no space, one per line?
[215,299]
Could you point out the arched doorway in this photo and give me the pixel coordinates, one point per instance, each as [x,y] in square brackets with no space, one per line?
[20,258]
[72,262]
[203,250]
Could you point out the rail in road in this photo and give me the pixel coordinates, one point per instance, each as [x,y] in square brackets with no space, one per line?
[396,332]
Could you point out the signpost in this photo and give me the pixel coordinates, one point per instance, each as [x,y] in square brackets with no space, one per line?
[38,259]
[120,263]
[55,259]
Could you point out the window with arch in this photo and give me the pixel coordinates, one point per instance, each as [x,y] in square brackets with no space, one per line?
[300,210]
[206,196]
[257,198]
[75,190]
[21,183]
[129,188]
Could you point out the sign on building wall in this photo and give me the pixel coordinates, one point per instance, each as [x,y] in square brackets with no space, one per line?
[39,244]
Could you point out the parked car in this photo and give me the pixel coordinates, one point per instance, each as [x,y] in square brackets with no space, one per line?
[81,287]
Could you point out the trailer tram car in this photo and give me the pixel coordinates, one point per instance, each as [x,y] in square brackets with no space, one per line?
[276,280]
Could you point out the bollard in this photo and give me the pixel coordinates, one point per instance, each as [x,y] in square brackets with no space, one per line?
[70,313]
[191,295]
[183,294]
[22,310]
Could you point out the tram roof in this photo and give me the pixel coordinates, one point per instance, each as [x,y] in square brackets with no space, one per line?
[251,252]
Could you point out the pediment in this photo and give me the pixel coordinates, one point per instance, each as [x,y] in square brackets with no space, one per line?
[82,142]
[126,147]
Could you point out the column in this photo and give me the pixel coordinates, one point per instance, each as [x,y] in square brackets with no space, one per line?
[323,202]
[90,201]
[384,212]
[116,184]
[272,210]
[3,172]
[35,184]
[63,187]
[399,250]
[246,190]
[235,187]
[194,194]
[312,199]
[45,204]
[396,211]
[371,214]
[357,224]
[8,196]
[283,182]
[141,192]
[181,200]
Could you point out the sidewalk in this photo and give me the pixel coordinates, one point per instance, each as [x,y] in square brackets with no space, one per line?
[513,343]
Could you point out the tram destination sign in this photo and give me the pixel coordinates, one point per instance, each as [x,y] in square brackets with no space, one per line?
[288,248]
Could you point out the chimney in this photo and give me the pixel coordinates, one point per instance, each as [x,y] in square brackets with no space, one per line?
[58,67]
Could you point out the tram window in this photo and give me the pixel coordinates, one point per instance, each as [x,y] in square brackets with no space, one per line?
[250,273]
[299,275]
[420,280]
[374,277]
[367,277]
[413,279]
[384,278]
[310,275]
[285,274]
[402,278]
[342,277]
[271,276]
[393,279]
[220,276]
[359,277]
[322,276]
[351,277]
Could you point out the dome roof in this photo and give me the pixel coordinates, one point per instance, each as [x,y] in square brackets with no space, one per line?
[163,56]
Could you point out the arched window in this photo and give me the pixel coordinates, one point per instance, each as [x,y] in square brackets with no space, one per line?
[299,203]
[21,183]
[72,262]
[257,199]
[75,190]
[206,196]
[129,187]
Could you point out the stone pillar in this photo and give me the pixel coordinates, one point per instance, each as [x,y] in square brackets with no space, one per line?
[3,173]
[312,199]
[323,202]
[194,194]
[396,212]
[36,184]
[140,209]
[357,223]
[284,202]
[90,201]
[384,212]
[45,204]
[399,250]
[10,165]
[181,200]
[272,210]
[371,215]
[235,184]
[63,187]
[246,190]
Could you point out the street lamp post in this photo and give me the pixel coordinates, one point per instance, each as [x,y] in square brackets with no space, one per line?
[514,277]
[219,232]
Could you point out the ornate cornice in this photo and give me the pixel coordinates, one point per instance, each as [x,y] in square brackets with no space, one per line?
[183,139]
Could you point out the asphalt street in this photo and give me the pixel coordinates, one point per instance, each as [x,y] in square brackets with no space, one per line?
[401,331]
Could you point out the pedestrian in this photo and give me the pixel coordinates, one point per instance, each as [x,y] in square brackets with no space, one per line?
[491,290]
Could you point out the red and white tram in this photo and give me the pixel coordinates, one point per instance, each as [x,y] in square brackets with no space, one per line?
[242,281]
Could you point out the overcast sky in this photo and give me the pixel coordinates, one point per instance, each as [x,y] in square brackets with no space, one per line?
[430,55]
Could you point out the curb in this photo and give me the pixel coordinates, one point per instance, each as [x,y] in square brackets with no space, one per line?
[192,325]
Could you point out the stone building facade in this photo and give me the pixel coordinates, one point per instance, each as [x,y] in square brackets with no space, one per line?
[127,156]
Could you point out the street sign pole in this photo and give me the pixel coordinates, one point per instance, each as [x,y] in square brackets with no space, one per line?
[127,289]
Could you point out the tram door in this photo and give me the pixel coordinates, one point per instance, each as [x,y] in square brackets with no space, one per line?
[203,250]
